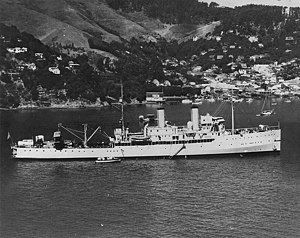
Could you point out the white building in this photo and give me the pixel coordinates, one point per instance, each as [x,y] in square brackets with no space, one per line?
[17,50]
[54,70]
[154,97]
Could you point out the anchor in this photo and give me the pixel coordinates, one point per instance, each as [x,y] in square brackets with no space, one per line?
[183,147]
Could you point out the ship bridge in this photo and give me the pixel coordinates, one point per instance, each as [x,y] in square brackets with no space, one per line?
[197,128]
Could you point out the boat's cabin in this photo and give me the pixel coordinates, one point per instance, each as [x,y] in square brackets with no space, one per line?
[209,124]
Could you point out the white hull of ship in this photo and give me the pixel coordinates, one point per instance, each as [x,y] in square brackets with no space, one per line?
[267,141]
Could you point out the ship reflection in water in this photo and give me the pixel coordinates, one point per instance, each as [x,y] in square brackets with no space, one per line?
[254,196]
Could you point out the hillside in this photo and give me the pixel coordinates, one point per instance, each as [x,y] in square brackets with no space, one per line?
[85,48]
[76,21]
[67,21]
[234,3]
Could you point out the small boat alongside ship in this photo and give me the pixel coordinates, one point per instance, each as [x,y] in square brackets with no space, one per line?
[107,160]
[265,113]
[202,135]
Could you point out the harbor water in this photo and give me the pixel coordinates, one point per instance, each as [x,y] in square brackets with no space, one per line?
[216,196]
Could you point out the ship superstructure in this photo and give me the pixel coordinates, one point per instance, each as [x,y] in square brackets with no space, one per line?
[202,135]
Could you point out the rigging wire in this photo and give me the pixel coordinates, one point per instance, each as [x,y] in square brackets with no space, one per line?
[219,109]
[216,112]
[70,131]
[240,109]
[74,130]
[103,134]
[243,112]
[115,106]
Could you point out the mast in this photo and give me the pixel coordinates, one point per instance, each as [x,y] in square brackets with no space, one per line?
[85,138]
[232,118]
[263,106]
[122,109]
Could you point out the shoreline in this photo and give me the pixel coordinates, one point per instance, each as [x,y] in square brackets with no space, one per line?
[104,104]
[64,107]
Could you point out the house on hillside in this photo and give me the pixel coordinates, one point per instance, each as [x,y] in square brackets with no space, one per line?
[39,55]
[256,57]
[167,83]
[30,66]
[20,67]
[195,38]
[73,65]
[156,82]
[17,50]
[219,57]
[218,38]
[182,62]
[253,39]
[197,69]
[244,65]
[240,58]
[211,57]
[154,97]
[41,92]
[290,40]
[54,70]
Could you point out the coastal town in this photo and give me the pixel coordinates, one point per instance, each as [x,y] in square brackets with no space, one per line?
[226,63]
[278,79]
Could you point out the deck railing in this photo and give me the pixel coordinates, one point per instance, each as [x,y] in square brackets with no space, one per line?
[253,129]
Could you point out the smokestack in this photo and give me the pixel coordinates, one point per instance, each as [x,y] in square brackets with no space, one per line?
[161,117]
[195,117]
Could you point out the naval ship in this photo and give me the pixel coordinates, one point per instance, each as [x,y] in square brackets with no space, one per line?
[201,135]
